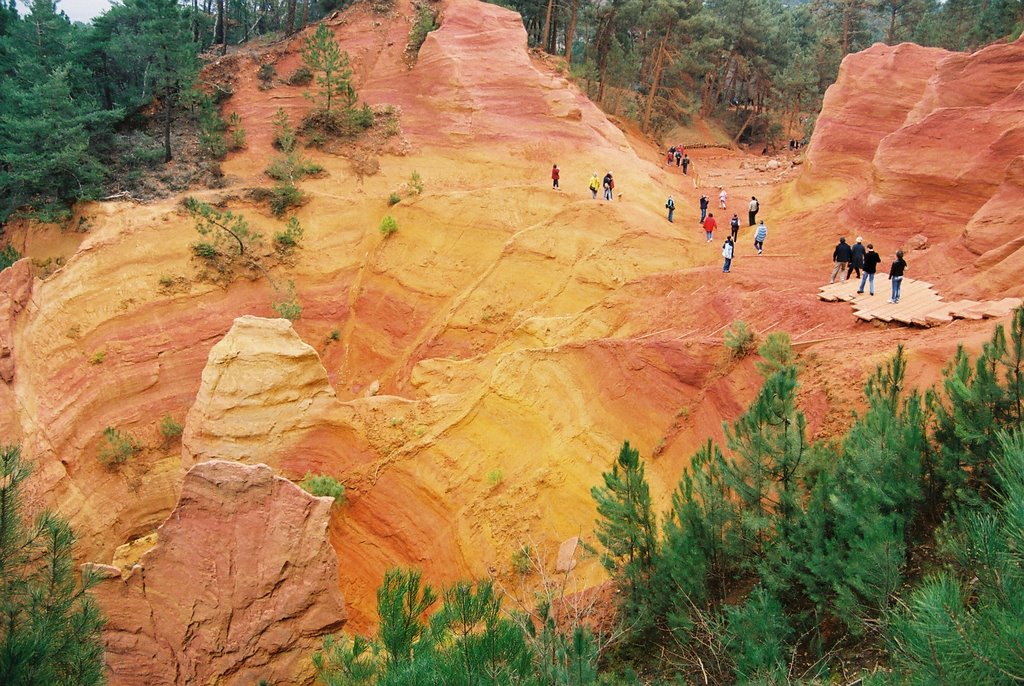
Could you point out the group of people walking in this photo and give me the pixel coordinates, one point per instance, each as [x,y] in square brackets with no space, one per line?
[848,259]
[677,154]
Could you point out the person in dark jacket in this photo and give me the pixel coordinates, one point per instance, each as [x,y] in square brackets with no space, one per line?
[896,276]
[841,257]
[671,207]
[554,176]
[703,208]
[857,263]
[871,260]
[734,226]
[686,163]
[753,209]
[609,185]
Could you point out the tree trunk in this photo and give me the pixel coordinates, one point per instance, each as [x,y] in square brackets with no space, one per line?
[603,47]
[891,38]
[195,21]
[305,12]
[167,125]
[569,33]
[222,27]
[743,128]
[547,25]
[291,16]
[847,20]
[658,64]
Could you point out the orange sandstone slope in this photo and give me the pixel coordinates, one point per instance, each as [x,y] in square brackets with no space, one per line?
[489,357]
[920,141]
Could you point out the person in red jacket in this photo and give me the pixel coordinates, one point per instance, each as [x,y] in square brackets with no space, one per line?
[709,227]
[554,176]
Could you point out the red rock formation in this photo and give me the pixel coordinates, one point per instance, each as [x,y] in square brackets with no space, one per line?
[240,586]
[923,141]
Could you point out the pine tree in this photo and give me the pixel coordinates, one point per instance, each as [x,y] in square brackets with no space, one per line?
[47,159]
[627,530]
[330,64]
[49,625]
[966,625]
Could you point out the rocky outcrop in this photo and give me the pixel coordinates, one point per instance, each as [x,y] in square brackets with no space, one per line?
[15,290]
[921,141]
[240,587]
[261,385]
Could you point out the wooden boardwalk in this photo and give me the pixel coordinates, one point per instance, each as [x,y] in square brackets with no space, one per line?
[919,305]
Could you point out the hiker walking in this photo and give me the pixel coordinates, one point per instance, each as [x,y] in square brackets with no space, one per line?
[722,195]
[871,260]
[686,163]
[841,257]
[671,205]
[734,226]
[671,154]
[753,208]
[857,261]
[709,227]
[609,186]
[679,156]
[554,176]
[595,184]
[727,251]
[703,208]
[896,276]
[759,235]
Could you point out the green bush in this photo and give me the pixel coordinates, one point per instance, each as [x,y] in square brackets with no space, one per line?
[426,21]
[120,447]
[8,256]
[388,226]
[236,134]
[286,241]
[267,74]
[205,251]
[322,485]
[284,134]
[288,306]
[394,199]
[284,196]
[302,76]
[415,183]
[739,339]
[170,429]
[495,477]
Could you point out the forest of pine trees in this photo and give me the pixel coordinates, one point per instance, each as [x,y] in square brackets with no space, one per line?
[759,65]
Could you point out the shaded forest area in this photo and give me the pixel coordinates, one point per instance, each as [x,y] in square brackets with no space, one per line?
[89,109]
[759,66]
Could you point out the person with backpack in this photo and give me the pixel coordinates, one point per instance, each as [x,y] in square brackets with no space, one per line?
[671,154]
[709,227]
[734,227]
[857,261]
[703,208]
[753,208]
[686,163]
[727,252]
[896,276]
[679,156]
[841,257]
[671,205]
[554,176]
[594,185]
[759,236]
[871,260]
[609,186]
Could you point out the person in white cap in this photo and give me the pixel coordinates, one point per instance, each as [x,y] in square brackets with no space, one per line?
[857,263]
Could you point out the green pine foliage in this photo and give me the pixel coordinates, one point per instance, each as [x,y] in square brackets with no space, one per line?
[51,629]
[469,639]
[627,530]
[778,552]
[329,64]
[324,485]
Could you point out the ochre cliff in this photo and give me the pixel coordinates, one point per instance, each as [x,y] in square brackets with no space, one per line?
[917,142]
[239,587]
[469,377]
